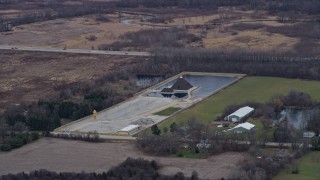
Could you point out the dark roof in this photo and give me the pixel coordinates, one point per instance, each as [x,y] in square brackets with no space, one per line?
[181,84]
[167,90]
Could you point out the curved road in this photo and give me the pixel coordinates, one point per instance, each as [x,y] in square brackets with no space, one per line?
[77,51]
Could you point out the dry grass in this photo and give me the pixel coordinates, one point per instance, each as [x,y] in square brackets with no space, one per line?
[71,33]
[255,40]
[234,31]
[27,77]
[74,156]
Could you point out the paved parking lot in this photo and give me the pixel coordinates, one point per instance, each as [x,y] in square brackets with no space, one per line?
[144,105]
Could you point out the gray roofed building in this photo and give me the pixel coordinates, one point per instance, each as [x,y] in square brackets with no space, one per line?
[240,114]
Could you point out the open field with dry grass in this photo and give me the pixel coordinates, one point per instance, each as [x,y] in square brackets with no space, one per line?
[238,29]
[61,155]
[223,28]
[28,76]
[69,33]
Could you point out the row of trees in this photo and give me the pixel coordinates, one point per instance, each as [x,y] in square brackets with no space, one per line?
[276,64]
[132,169]
[208,4]
[294,99]
[307,6]
[89,137]
[15,136]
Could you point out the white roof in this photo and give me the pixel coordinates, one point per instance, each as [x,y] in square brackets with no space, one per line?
[129,128]
[245,125]
[242,111]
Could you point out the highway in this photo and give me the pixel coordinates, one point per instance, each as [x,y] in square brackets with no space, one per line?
[76,51]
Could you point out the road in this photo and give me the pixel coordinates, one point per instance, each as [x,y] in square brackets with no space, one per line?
[77,51]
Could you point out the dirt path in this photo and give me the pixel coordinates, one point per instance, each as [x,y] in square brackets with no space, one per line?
[61,155]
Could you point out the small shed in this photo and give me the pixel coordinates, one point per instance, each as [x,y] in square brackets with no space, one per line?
[243,127]
[240,114]
[131,129]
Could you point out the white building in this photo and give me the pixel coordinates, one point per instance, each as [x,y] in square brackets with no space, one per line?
[243,127]
[129,130]
[240,114]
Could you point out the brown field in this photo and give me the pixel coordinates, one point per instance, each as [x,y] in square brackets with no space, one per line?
[73,32]
[224,36]
[61,155]
[70,33]
[28,76]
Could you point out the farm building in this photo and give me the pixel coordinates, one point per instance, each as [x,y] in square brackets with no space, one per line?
[243,127]
[179,89]
[240,114]
[129,130]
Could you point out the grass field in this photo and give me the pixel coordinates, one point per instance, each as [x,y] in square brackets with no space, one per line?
[189,154]
[168,112]
[309,168]
[260,131]
[259,89]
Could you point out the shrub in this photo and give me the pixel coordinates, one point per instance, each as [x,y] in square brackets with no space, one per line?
[34,136]
[102,18]
[24,137]
[91,38]
[16,143]
[5,147]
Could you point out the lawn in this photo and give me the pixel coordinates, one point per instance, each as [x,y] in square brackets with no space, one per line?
[168,112]
[189,154]
[259,89]
[260,133]
[309,168]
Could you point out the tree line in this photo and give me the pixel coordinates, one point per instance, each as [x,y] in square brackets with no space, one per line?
[15,136]
[212,4]
[307,6]
[284,64]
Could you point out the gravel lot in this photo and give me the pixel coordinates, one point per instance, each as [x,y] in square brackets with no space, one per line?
[76,156]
